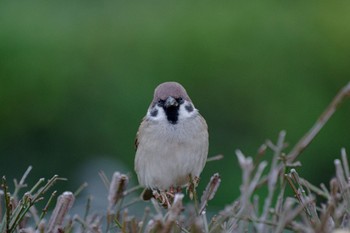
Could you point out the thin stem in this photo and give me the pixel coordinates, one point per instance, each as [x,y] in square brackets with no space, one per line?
[215,158]
[80,189]
[321,121]
[44,211]
[87,207]
[7,203]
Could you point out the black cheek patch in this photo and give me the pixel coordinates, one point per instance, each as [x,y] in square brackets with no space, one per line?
[189,108]
[154,112]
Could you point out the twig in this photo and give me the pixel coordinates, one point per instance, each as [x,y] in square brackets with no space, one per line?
[144,220]
[41,180]
[117,189]
[104,179]
[290,213]
[215,158]
[21,209]
[7,203]
[321,121]
[319,191]
[87,207]
[38,196]
[272,179]
[209,191]
[345,162]
[63,205]
[131,190]
[80,189]
[21,184]
[300,194]
[85,225]
[44,211]
[1,194]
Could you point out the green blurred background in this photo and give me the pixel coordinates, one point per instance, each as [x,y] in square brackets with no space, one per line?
[77,78]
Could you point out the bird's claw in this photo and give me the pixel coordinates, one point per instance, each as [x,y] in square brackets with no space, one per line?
[166,198]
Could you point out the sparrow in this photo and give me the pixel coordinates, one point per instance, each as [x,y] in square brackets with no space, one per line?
[171,142]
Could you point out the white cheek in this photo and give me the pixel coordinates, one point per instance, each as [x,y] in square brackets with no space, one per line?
[184,113]
[159,116]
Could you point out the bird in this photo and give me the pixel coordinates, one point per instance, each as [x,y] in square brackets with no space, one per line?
[171,143]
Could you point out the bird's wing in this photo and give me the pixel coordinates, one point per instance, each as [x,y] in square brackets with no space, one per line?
[136,143]
[139,132]
[147,194]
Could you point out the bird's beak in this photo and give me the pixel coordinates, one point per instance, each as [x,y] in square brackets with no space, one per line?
[171,101]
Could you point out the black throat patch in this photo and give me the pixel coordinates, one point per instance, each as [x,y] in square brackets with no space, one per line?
[172,114]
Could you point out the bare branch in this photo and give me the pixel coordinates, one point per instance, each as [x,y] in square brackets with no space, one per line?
[321,121]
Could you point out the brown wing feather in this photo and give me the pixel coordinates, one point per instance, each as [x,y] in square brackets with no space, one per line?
[139,132]
[136,142]
[147,194]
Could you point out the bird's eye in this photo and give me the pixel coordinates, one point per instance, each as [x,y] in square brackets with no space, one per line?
[180,100]
[160,103]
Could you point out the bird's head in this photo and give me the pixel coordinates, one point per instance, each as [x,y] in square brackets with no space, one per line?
[171,103]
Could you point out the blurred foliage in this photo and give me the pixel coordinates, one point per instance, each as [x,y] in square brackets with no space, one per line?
[77,77]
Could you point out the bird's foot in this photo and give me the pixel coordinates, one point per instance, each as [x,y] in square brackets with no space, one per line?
[166,198]
[196,180]
[192,185]
[173,190]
